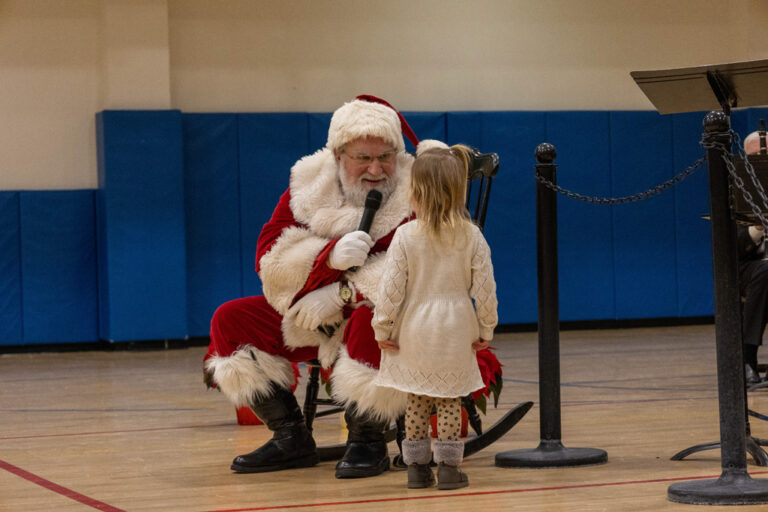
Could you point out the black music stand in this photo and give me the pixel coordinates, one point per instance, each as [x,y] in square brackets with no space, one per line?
[725,86]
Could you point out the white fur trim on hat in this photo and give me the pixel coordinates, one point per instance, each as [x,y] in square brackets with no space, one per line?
[360,119]
[249,372]
[353,382]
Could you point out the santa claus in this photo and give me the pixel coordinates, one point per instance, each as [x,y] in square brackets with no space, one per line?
[320,276]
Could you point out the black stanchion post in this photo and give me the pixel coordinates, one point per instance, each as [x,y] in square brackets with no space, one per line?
[735,486]
[550,452]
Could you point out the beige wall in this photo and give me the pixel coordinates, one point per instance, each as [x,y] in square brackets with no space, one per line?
[61,61]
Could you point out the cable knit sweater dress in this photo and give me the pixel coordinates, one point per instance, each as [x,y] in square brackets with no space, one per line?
[425,304]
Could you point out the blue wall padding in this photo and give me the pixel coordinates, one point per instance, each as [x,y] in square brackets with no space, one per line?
[143,290]
[269,146]
[58,266]
[182,199]
[212,192]
[318,130]
[10,270]
[644,232]
[693,233]
[585,263]
[426,125]
[510,227]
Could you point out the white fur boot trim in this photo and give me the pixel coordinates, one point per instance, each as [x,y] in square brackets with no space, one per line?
[352,382]
[248,372]
[417,452]
[450,453]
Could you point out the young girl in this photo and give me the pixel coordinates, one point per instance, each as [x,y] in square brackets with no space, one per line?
[425,321]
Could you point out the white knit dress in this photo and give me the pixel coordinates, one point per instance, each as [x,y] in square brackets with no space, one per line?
[425,304]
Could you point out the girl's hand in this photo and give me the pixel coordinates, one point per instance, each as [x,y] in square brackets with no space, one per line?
[480,344]
[388,345]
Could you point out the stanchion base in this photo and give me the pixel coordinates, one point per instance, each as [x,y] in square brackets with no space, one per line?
[551,454]
[753,446]
[731,489]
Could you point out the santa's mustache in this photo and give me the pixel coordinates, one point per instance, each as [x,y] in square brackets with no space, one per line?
[370,177]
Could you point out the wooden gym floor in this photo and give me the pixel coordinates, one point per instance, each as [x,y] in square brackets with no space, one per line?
[137,431]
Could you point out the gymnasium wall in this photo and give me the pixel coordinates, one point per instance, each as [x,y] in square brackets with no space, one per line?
[171,232]
[137,225]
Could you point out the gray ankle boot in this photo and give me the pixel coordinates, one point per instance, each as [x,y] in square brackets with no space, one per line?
[417,455]
[448,455]
[450,477]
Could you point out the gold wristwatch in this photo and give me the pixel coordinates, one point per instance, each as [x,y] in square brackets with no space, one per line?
[345,292]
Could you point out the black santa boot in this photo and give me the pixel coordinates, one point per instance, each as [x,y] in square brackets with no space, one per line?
[291,445]
[366,453]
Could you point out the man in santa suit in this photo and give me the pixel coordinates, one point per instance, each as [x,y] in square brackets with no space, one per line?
[320,275]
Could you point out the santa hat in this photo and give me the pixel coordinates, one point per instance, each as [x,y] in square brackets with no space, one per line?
[369,116]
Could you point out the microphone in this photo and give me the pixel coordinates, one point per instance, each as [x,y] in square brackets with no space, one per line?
[372,203]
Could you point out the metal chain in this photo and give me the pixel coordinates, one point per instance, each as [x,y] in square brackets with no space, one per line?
[626,199]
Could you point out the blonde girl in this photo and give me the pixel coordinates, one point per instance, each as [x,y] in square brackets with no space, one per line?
[436,306]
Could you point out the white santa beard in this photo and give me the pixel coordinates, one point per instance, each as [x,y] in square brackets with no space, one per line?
[355,192]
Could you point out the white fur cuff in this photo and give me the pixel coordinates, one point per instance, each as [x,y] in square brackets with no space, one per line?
[249,372]
[417,452]
[450,453]
[328,348]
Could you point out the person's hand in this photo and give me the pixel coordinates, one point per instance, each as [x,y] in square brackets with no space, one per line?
[350,251]
[388,345]
[315,307]
[480,344]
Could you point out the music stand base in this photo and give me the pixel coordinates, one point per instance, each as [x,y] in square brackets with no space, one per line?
[551,454]
[730,489]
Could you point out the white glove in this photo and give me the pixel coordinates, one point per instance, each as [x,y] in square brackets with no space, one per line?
[318,307]
[351,250]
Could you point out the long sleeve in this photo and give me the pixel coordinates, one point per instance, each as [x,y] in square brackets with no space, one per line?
[290,259]
[483,289]
[391,290]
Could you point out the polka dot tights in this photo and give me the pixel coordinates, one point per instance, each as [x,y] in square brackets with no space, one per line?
[419,411]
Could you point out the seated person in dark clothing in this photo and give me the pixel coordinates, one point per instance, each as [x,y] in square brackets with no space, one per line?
[753,278]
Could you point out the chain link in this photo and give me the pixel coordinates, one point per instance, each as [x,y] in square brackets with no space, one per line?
[626,199]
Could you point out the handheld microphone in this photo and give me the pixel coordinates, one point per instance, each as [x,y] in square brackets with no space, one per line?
[372,203]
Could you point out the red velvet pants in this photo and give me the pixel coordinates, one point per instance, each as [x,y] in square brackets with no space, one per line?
[252,321]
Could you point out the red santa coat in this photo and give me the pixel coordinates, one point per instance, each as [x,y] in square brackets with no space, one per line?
[246,356]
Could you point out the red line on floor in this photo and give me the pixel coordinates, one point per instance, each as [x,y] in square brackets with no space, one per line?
[68,493]
[481,493]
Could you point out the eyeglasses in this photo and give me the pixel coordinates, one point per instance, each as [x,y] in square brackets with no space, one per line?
[364,159]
